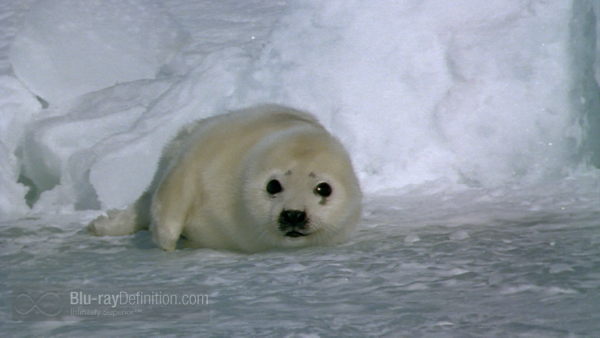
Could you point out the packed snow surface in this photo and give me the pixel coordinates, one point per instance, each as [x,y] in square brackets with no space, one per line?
[474,128]
[68,48]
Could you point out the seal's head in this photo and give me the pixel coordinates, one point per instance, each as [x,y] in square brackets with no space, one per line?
[302,191]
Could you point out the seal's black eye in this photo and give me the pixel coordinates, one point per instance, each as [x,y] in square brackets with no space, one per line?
[323,189]
[274,187]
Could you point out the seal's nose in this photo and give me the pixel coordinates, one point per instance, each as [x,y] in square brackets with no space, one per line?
[294,218]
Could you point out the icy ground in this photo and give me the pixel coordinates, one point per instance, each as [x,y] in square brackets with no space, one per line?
[474,127]
[424,264]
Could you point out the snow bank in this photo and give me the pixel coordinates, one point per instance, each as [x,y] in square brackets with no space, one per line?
[69,47]
[479,93]
[475,91]
[17,107]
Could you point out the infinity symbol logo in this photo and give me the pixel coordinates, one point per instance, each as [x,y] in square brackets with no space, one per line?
[49,304]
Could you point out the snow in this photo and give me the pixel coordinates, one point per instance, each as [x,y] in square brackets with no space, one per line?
[479,94]
[473,128]
[18,107]
[491,263]
[68,48]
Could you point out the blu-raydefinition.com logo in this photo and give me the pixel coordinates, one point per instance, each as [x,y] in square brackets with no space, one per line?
[63,303]
[46,303]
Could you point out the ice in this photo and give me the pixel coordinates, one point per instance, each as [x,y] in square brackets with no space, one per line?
[18,107]
[12,201]
[473,127]
[68,48]
[414,100]
[505,279]
[51,157]
[482,95]
[413,76]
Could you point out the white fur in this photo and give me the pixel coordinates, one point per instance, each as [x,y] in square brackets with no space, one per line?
[210,186]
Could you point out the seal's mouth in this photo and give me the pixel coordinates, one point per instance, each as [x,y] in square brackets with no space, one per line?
[294,223]
[294,234]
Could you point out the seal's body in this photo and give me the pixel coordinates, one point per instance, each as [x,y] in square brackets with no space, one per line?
[250,180]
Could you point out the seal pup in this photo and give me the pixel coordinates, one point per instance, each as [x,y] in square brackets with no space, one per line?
[250,180]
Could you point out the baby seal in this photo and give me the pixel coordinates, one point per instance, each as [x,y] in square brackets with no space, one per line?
[250,180]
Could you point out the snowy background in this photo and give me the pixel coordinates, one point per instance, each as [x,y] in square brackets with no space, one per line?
[474,127]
